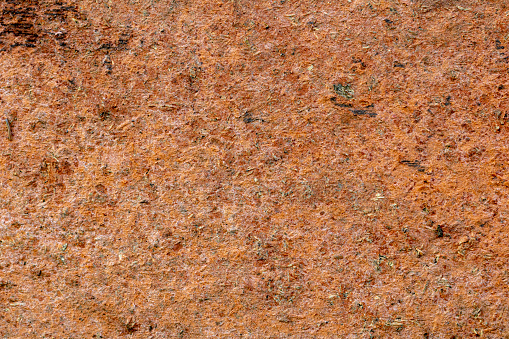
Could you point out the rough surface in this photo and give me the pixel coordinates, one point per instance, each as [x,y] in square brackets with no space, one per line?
[183,169]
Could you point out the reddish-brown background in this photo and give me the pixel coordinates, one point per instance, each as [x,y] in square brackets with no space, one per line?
[180,169]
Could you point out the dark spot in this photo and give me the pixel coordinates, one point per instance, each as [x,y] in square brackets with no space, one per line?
[312,23]
[498,44]
[15,225]
[72,84]
[131,327]
[104,115]
[398,64]
[124,39]
[248,118]
[439,231]
[6,285]
[416,164]
[388,22]
[363,112]
[106,46]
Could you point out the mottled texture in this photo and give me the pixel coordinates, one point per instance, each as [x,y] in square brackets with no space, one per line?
[184,169]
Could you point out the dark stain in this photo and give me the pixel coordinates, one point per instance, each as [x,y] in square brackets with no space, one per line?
[363,112]
[248,118]
[439,232]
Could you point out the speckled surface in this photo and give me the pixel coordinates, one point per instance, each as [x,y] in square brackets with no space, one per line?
[309,169]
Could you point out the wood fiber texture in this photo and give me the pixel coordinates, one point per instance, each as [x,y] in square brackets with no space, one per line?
[255,169]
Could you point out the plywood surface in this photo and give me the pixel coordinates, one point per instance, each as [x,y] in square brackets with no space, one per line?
[257,169]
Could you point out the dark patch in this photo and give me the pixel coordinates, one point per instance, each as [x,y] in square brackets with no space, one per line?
[17,20]
[9,129]
[398,64]
[388,22]
[248,118]
[313,24]
[448,101]
[72,85]
[439,232]
[334,101]
[355,111]
[130,327]
[359,61]
[123,40]
[6,285]
[25,23]
[107,45]
[415,164]
[15,225]
[104,115]
[17,44]
[64,167]
[498,44]
[363,112]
